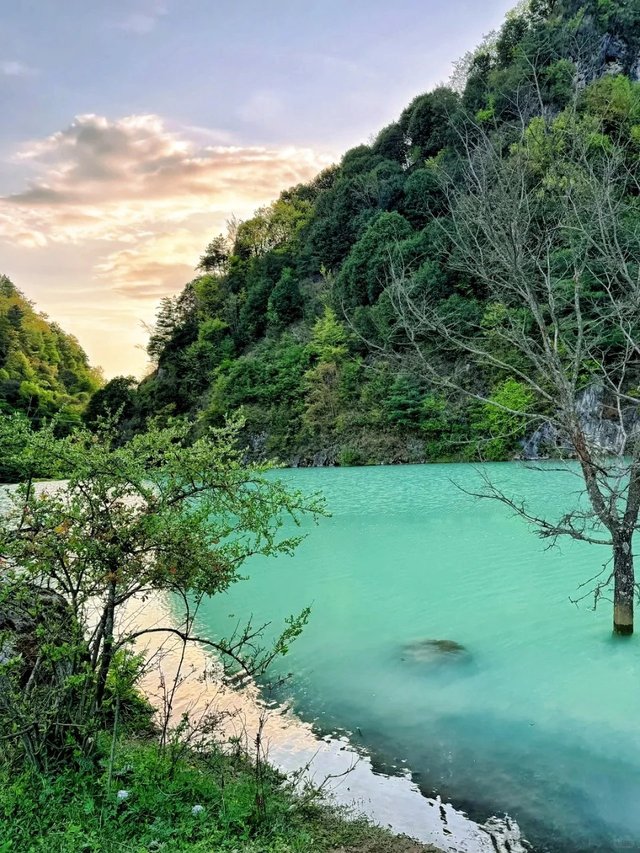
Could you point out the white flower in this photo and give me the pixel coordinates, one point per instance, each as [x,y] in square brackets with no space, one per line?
[197,809]
[122,795]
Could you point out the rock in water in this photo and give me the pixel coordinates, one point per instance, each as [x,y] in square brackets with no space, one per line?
[435,652]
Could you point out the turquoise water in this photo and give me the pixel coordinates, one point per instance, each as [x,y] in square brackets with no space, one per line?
[542,719]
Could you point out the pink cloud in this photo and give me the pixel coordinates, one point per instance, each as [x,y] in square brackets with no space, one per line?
[150,196]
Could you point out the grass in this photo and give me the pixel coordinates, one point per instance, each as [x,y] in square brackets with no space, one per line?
[78,811]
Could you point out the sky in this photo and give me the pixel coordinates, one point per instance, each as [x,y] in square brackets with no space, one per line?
[134,129]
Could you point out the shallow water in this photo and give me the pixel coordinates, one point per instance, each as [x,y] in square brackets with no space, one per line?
[540,719]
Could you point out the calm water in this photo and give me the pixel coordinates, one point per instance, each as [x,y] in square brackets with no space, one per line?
[542,721]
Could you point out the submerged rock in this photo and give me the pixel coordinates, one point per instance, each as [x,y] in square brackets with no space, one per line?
[436,652]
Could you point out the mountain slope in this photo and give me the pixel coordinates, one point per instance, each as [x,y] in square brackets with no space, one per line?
[288,319]
[43,371]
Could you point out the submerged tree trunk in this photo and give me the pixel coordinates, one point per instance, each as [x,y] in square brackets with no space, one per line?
[624,586]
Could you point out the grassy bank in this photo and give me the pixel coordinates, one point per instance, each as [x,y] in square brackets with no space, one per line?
[81,811]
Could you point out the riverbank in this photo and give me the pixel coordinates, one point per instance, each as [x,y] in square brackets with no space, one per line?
[344,774]
[187,803]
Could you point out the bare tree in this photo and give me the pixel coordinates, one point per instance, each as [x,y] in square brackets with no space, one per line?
[546,227]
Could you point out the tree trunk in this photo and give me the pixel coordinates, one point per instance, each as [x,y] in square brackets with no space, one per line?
[107,648]
[624,586]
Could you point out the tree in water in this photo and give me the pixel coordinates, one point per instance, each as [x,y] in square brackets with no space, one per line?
[546,229]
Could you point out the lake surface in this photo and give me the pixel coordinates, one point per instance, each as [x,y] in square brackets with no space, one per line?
[540,719]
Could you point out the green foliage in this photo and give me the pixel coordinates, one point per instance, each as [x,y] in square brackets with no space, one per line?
[391,143]
[285,301]
[155,515]
[215,257]
[436,424]
[616,101]
[504,420]
[272,227]
[328,338]
[559,82]
[404,403]
[114,401]
[363,274]
[43,371]
[427,122]
[422,196]
[15,432]
[323,382]
[244,334]
[77,810]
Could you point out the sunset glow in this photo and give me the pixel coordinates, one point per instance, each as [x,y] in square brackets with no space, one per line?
[114,175]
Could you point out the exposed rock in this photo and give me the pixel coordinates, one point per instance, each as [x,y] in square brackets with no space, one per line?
[258,444]
[613,50]
[544,442]
[324,458]
[610,54]
[612,69]
[28,620]
[602,429]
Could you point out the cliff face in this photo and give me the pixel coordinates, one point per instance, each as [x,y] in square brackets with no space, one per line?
[608,29]
[606,429]
[612,55]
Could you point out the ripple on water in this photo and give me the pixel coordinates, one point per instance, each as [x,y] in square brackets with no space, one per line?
[543,725]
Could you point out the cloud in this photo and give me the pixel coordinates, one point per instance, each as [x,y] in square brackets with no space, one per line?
[144,19]
[151,269]
[150,198]
[11,68]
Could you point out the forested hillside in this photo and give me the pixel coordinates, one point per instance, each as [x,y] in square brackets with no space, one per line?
[43,371]
[288,318]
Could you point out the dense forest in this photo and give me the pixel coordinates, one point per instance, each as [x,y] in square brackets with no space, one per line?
[288,319]
[43,371]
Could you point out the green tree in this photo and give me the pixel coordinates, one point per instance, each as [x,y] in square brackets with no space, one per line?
[505,419]
[215,257]
[115,400]
[404,404]
[43,371]
[362,278]
[427,122]
[328,349]
[154,516]
[328,337]
[391,143]
[285,301]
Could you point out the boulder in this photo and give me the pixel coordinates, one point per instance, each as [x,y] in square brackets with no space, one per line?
[435,652]
[30,617]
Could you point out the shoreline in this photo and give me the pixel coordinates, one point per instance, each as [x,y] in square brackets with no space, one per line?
[289,744]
